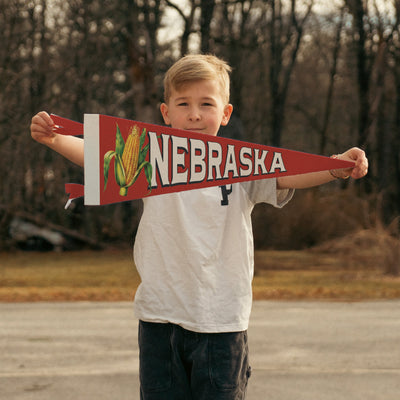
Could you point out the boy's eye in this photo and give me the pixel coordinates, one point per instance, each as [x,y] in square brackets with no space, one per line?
[183,104]
[207,104]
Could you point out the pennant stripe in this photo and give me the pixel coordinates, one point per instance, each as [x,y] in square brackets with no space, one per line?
[74,190]
[65,126]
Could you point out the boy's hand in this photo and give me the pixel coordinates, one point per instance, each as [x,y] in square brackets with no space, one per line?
[361,164]
[70,147]
[42,128]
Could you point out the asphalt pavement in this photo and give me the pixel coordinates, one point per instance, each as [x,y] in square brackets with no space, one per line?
[298,350]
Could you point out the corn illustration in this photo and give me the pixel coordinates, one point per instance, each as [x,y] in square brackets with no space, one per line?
[129,160]
[130,156]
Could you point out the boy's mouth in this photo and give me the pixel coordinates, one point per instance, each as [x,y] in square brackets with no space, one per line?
[195,129]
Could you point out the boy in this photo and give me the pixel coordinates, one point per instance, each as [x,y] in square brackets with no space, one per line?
[194,250]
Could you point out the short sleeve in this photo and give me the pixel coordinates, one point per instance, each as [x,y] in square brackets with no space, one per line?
[265,191]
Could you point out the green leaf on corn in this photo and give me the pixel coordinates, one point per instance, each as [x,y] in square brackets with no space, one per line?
[119,142]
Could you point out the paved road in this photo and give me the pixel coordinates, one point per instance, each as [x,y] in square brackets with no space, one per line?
[299,350]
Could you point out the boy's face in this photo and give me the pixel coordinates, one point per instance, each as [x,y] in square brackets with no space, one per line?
[198,107]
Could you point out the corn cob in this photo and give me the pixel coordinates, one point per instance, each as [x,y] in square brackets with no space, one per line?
[130,156]
[129,160]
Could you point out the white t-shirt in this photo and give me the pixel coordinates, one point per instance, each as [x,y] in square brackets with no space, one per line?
[195,256]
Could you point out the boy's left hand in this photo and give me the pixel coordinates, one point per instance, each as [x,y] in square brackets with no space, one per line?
[361,163]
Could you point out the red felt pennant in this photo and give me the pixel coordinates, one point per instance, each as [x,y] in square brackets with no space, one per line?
[126,160]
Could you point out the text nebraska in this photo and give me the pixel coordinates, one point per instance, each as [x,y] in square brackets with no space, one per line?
[182,160]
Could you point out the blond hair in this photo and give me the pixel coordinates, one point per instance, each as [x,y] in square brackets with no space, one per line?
[197,67]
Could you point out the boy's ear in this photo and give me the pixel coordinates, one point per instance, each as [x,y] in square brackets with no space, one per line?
[227,114]
[164,112]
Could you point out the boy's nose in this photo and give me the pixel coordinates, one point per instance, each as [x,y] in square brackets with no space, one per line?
[194,114]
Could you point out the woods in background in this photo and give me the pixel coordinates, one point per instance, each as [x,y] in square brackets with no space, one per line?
[309,75]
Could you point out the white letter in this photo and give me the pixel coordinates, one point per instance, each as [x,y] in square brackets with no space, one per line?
[230,163]
[178,160]
[260,162]
[214,162]
[245,161]
[197,160]
[158,161]
[277,163]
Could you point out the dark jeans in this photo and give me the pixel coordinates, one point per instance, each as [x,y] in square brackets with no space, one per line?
[178,364]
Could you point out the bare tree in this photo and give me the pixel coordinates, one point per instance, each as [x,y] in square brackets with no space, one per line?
[207,12]
[370,43]
[332,75]
[188,23]
[370,39]
[392,147]
[139,29]
[285,34]
[396,138]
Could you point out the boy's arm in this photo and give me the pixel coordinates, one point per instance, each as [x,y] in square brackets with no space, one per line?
[318,178]
[70,147]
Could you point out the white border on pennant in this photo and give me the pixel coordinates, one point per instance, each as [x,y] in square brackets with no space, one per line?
[92,159]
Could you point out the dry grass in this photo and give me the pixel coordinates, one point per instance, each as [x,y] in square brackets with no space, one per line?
[353,268]
[88,275]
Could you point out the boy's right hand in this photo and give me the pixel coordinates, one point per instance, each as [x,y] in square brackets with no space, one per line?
[42,128]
